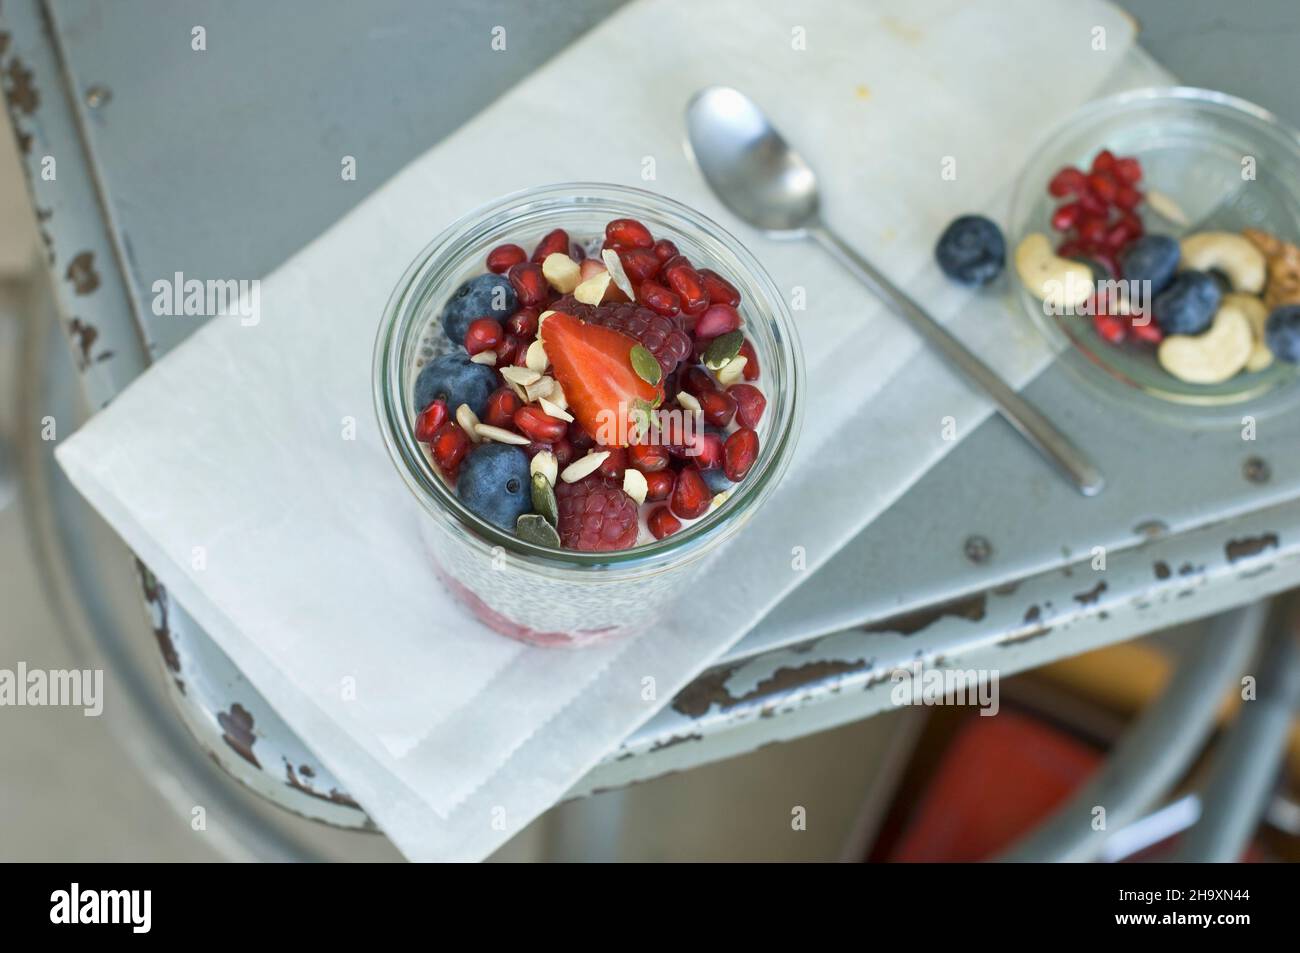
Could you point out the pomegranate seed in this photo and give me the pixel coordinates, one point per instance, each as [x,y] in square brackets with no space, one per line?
[718,319]
[739,454]
[529,284]
[1068,181]
[1069,248]
[537,425]
[508,348]
[751,360]
[564,452]
[430,419]
[523,323]
[664,249]
[449,446]
[706,450]
[1092,231]
[661,522]
[685,280]
[1064,218]
[501,407]
[581,440]
[1118,236]
[1092,204]
[536,447]
[1104,162]
[1127,197]
[1128,170]
[750,404]
[590,268]
[658,299]
[502,258]
[484,334]
[647,457]
[659,484]
[1150,332]
[690,497]
[719,289]
[553,243]
[677,259]
[1109,328]
[520,358]
[1103,187]
[615,463]
[628,233]
[697,382]
[639,263]
[719,407]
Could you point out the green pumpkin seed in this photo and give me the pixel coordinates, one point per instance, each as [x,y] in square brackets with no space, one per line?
[723,350]
[534,529]
[645,365]
[544,499]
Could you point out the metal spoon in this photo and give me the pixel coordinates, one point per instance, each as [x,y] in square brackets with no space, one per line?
[765,182]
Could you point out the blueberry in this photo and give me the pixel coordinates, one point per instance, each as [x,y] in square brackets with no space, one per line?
[494,483]
[457,380]
[487,296]
[971,250]
[716,480]
[1282,333]
[1152,258]
[1187,306]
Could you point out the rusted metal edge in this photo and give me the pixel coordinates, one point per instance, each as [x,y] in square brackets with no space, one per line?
[844,676]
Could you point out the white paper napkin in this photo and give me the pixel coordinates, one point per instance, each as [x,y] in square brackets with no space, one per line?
[313,577]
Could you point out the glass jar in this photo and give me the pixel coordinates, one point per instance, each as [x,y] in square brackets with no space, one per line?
[535,593]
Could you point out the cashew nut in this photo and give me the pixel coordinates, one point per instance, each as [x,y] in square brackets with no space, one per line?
[1061,283]
[1211,357]
[1228,252]
[1256,314]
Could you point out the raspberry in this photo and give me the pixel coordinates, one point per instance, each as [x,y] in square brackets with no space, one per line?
[661,336]
[596,515]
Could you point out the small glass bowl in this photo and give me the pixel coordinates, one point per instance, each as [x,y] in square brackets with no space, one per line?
[1197,147]
[539,594]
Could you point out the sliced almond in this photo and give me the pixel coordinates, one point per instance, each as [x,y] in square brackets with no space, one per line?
[635,485]
[719,499]
[562,272]
[485,357]
[592,291]
[1167,208]
[523,376]
[688,402]
[535,358]
[539,387]
[615,268]
[468,421]
[542,317]
[551,410]
[544,462]
[583,466]
[732,371]
[501,435]
[556,397]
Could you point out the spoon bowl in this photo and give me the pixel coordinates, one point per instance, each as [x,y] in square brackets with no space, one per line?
[748,163]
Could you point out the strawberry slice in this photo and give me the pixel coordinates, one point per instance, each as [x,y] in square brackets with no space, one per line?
[594,367]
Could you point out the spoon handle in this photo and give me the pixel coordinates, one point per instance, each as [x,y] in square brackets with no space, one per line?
[1033,426]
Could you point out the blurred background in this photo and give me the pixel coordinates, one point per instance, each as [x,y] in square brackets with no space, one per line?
[915,784]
